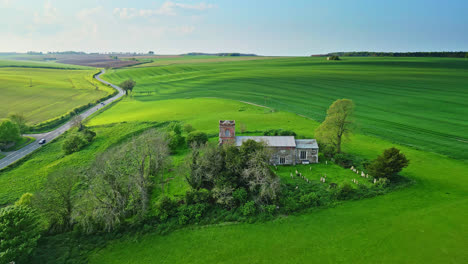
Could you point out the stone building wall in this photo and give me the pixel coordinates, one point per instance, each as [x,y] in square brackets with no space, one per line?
[283,152]
[311,155]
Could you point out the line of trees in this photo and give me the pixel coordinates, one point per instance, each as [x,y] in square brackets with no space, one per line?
[450,54]
[116,188]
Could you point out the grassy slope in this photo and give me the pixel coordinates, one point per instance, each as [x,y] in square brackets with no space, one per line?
[31,174]
[413,101]
[54,92]
[425,223]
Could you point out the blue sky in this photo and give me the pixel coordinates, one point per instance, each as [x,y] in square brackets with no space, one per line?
[264,27]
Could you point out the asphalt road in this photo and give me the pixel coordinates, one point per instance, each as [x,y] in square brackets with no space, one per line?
[14,156]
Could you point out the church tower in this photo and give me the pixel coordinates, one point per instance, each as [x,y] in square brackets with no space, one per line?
[227,132]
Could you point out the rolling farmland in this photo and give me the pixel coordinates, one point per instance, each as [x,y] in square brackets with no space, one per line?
[43,91]
[418,102]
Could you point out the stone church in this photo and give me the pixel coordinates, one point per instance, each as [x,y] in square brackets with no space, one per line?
[287,150]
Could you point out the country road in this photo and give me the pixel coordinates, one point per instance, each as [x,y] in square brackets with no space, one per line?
[14,156]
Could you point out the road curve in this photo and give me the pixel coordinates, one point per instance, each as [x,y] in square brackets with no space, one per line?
[14,156]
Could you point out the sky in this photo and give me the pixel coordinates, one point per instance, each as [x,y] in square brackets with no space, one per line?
[273,27]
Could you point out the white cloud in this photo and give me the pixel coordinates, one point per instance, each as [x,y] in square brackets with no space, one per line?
[167,8]
[6,3]
[48,16]
[89,20]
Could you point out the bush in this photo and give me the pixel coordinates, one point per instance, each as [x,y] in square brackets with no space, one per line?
[279,132]
[249,208]
[389,164]
[197,137]
[381,183]
[197,196]
[269,209]
[346,192]
[26,200]
[88,134]
[239,196]
[309,199]
[188,128]
[175,141]
[191,213]
[165,207]
[344,160]
[74,143]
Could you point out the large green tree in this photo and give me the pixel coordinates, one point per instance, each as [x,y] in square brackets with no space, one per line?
[389,164]
[337,125]
[57,199]
[20,121]
[19,232]
[128,85]
[9,132]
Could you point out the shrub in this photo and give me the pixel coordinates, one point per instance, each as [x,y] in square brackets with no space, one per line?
[165,207]
[175,141]
[309,199]
[240,196]
[188,128]
[269,209]
[249,208]
[26,200]
[88,134]
[381,183]
[346,192]
[389,164]
[73,143]
[197,137]
[223,195]
[287,133]
[344,160]
[197,196]
[191,213]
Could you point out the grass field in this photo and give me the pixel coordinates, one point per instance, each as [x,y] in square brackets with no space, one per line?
[424,223]
[401,100]
[44,93]
[418,102]
[164,61]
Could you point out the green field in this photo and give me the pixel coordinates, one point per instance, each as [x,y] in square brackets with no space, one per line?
[172,60]
[424,223]
[41,93]
[403,100]
[418,102]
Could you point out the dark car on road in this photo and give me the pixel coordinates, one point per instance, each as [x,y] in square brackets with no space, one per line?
[42,141]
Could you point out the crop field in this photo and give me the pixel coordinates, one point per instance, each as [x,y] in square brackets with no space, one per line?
[423,223]
[172,60]
[41,94]
[419,102]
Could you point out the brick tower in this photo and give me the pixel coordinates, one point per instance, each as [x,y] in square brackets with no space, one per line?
[227,132]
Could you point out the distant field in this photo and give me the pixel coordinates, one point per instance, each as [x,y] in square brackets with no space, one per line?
[419,102]
[424,223]
[45,93]
[37,64]
[172,60]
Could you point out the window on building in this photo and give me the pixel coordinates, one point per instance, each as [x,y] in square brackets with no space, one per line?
[303,155]
[282,160]
[227,133]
